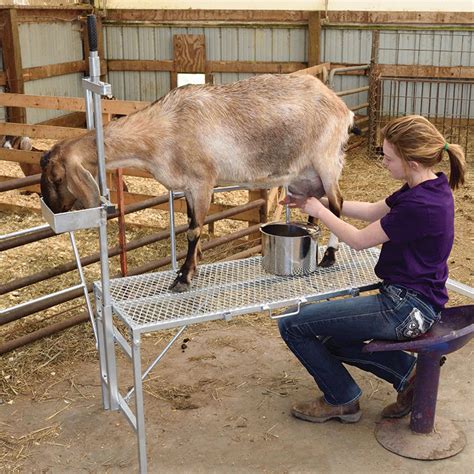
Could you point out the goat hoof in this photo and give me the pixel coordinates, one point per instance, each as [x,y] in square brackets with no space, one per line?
[179,286]
[329,258]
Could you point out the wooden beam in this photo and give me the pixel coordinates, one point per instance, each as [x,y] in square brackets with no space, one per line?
[39,14]
[12,62]
[139,65]
[3,79]
[74,119]
[292,17]
[20,156]
[211,66]
[75,104]
[314,38]
[255,66]
[52,70]
[319,70]
[39,131]
[221,16]
[423,72]
[399,18]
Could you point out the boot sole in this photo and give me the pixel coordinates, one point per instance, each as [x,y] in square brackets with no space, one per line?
[348,418]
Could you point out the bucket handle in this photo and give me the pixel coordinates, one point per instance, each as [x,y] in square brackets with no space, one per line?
[267,307]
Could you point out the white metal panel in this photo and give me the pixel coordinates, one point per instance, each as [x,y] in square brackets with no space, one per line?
[298,44]
[69,85]
[131,51]
[49,43]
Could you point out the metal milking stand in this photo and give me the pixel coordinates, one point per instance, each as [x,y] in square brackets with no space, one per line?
[94,89]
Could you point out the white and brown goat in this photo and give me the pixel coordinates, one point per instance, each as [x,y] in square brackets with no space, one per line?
[261,132]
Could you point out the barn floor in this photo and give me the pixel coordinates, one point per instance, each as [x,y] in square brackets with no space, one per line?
[220,405]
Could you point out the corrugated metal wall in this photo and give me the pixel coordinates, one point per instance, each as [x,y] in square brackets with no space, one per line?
[222,44]
[435,48]
[348,46]
[50,43]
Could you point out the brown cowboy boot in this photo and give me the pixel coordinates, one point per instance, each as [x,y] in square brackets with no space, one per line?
[318,411]
[404,401]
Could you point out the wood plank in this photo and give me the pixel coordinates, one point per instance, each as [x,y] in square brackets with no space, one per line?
[192,15]
[139,65]
[20,156]
[255,66]
[3,79]
[314,38]
[417,71]
[318,70]
[211,66]
[400,17]
[49,14]
[12,63]
[74,119]
[76,104]
[289,16]
[52,70]
[189,52]
[39,131]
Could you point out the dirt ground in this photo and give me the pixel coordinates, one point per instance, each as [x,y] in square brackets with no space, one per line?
[222,403]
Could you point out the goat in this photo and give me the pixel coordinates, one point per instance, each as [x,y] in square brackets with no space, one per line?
[20,143]
[261,132]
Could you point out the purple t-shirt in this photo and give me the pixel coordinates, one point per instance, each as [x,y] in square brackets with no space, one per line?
[420,226]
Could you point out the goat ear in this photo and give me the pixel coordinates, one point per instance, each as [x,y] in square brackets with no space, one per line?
[25,144]
[82,185]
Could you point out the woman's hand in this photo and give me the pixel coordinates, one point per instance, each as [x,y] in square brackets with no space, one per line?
[311,205]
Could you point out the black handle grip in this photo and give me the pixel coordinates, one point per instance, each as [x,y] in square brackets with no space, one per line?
[92,32]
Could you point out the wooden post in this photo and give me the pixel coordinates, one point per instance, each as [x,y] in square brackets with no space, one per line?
[314,38]
[12,63]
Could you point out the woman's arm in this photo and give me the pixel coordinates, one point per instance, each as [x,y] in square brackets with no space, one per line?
[365,211]
[358,239]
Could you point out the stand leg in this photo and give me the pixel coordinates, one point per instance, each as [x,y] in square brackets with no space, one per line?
[139,413]
[110,356]
[104,379]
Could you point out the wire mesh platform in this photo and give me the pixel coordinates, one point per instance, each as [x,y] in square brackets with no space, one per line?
[223,290]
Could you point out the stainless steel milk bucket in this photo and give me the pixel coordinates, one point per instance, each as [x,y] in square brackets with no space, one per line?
[289,248]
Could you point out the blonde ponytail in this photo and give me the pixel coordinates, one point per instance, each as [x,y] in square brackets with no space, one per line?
[416,139]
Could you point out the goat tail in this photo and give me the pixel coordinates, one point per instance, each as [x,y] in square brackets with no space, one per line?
[353,128]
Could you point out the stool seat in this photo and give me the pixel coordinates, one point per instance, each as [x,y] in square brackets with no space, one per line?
[449,334]
[419,438]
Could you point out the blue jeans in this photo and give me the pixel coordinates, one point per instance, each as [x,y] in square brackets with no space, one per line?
[326,334]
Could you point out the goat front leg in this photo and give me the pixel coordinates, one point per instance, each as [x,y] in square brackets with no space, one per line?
[335,206]
[197,206]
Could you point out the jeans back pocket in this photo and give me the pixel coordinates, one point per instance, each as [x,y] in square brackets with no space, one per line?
[415,324]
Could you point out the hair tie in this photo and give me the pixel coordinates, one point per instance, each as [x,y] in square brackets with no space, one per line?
[446,146]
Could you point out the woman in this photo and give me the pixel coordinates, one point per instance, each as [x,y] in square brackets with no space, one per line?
[415,226]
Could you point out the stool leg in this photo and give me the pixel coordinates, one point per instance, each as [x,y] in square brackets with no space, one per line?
[426,391]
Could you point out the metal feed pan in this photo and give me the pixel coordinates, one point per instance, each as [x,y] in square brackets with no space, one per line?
[72,220]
